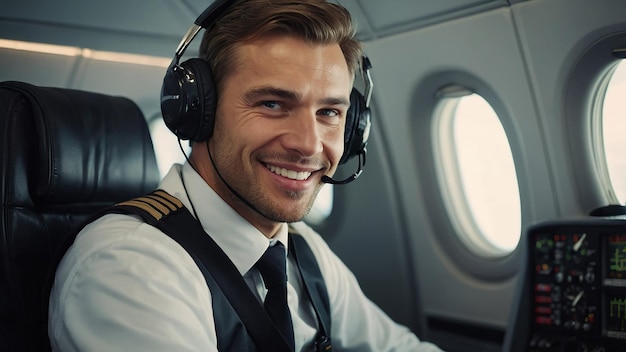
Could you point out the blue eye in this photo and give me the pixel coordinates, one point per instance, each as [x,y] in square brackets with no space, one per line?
[329,112]
[271,104]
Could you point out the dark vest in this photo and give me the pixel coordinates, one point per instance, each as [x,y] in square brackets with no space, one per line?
[231,332]
[243,325]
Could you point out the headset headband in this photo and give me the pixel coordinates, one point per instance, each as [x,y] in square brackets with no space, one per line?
[206,18]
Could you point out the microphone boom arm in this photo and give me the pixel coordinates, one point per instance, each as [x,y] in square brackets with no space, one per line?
[354,176]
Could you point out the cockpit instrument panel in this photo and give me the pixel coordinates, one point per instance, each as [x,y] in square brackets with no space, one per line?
[578,286]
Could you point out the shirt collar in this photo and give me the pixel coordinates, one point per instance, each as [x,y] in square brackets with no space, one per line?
[241,241]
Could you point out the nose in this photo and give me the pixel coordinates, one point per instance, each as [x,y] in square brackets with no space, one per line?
[303,134]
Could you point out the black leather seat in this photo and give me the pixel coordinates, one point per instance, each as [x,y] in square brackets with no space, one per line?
[65,155]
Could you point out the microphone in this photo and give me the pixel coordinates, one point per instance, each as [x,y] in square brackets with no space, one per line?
[354,176]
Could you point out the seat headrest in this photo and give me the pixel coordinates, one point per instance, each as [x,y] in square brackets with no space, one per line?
[90,147]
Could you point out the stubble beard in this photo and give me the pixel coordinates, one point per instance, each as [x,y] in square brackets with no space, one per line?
[252,191]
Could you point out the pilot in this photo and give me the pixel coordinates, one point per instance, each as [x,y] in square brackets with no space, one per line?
[280,79]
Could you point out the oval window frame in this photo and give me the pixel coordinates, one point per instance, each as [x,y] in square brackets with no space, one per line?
[452,178]
[587,78]
[487,269]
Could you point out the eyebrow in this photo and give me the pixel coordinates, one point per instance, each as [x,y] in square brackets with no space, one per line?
[256,93]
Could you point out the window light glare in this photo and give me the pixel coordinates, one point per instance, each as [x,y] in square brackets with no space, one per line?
[144,60]
[40,47]
[110,56]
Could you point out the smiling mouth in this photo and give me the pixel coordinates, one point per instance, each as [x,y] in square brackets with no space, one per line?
[290,174]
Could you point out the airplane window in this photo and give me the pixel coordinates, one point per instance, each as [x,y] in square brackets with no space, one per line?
[477,174]
[614,130]
[322,207]
[166,145]
[168,152]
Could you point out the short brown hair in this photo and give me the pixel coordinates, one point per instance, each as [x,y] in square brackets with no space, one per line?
[315,21]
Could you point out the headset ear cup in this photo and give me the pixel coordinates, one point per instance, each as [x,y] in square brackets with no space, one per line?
[208,98]
[188,100]
[358,122]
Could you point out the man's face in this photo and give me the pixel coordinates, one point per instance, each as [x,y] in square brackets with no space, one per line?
[280,125]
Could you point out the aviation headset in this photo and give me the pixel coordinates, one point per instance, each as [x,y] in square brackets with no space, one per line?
[189,100]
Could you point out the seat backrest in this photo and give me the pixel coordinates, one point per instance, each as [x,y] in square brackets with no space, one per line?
[65,155]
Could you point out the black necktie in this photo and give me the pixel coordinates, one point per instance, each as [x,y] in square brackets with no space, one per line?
[272,266]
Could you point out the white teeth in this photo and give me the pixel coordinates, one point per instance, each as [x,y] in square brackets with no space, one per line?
[290,174]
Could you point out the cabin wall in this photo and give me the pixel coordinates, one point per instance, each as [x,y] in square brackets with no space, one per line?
[519,57]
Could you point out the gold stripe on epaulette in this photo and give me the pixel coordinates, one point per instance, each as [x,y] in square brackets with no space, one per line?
[156,204]
[163,201]
[169,197]
[138,203]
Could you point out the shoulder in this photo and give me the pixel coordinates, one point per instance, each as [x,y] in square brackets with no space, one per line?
[139,277]
[118,249]
[112,229]
[123,239]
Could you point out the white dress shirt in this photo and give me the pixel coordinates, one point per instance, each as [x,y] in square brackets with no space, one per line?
[126,286]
